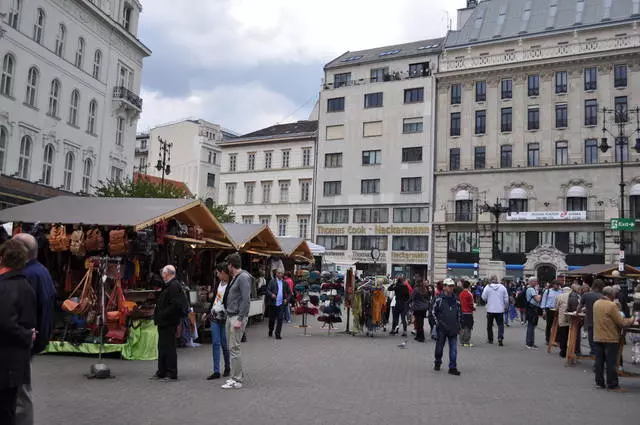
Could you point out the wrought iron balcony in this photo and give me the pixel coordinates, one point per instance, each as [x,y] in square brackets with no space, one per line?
[462,216]
[123,93]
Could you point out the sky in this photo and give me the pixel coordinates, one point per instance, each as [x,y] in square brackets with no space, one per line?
[249,64]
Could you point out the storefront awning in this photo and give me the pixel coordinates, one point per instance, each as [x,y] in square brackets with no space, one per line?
[604,270]
[295,248]
[253,238]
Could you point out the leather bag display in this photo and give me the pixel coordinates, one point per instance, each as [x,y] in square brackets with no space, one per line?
[87,298]
[118,243]
[94,240]
[58,239]
[77,245]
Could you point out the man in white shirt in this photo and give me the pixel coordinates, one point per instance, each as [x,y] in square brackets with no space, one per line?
[497,298]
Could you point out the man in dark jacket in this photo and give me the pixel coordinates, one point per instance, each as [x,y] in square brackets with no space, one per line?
[171,307]
[278,294]
[448,315]
[403,293]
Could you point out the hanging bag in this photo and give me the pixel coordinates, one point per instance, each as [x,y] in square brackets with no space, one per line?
[94,240]
[118,244]
[85,298]
[77,245]
[58,239]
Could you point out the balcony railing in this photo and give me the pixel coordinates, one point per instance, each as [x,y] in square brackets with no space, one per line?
[542,163]
[391,76]
[123,93]
[461,217]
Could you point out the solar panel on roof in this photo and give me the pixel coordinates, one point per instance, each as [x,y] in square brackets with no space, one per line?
[390,52]
[351,59]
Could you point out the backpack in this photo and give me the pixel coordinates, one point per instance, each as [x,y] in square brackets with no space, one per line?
[77,245]
[94,240]
[118,243]
[58,239]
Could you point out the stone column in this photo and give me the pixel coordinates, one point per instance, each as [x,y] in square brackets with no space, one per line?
[440,248]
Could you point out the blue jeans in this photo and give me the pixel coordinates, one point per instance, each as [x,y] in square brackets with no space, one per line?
[219,340]
[287,313]
[453,349]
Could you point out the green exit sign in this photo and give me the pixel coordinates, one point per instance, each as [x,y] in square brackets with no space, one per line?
[475,251]
[623,224]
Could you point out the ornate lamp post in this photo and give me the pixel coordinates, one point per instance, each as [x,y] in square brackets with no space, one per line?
[163,161]
[496,210]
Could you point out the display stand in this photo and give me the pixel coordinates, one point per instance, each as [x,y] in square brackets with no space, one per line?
[348,296]
[304,324]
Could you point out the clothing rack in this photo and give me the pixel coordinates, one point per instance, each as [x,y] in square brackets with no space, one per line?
[101,263]
[364,309]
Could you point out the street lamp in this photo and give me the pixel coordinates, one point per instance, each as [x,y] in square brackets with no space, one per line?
[497,210]
[621,118]
[163,161]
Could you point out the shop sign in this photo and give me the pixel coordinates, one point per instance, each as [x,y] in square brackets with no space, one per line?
[338,254]
[409,256]
[374,230]
[402,230]
[365,256]
[330,230]
[547,215]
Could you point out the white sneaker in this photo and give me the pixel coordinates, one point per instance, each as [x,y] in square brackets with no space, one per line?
[232,385]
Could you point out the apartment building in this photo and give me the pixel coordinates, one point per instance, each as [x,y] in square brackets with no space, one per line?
[374,184]
[521,88]
[267,177]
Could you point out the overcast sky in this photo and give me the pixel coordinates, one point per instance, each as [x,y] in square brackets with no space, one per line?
[248,64]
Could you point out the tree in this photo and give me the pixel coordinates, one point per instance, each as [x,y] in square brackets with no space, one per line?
[222,213]
[140,188]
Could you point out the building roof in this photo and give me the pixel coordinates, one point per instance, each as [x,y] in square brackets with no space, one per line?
[396,51]
[158,181]
[253,238]
[502,19]
[294,129]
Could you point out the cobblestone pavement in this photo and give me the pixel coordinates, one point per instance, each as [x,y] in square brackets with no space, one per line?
[340,380]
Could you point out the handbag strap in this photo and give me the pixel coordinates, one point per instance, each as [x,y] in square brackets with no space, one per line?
[82,282]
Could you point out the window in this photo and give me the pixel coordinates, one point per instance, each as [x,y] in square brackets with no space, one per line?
[481,91]
[511,242]
[378,74]
[60,40]
[411,185]
[412,154]
[506,156]
[68,171]
[586,243]
[591,112]
[456,94]
[590,78]
[370,186]
[125,77]
[464,210]
[267,159]
[372,157]
[462,242]
[54,96]
[79,53]
[4,137]
[533,155]
[634,206]
[414,95]
[211,158]
[533,119]
[367,243]
[306,157]
[266,192]
[562,116]
[620,76]
[47,165]
[265,220]
[341,80]
[283,222]
[284,191]
[97,64]
[303,227]
[335,132]
[621,109]
[285,158]
[8,68]
[73,108]
[211,180]
[333,242]
[233,161]
[333,160]
[412,125]
[372,129]
[332,188]
[87,172]
[506,120]
[373,100]
[127,11]
[419,69]
[591,151]
[32,86]
[518,205]
[454,159]
[562,152]
[576,204]
[116,174]
[91,121]
[14,13]
[305,190]
[533,85]
[119,131]
[622,149]
[251,161]
[411,215]
[340,216]
[562,79]
[454,129]
[38,27]
[410,243]
[335,104]
[249,189]
[506,89]
[247,219]
[479,157]
[231,193]
[481,122]
[370,215]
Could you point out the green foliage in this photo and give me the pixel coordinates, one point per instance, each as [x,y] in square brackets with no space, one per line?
[141,188]
[222,213]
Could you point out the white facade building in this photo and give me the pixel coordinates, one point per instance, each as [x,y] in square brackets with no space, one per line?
[375,161]
[69,87]
[267,177]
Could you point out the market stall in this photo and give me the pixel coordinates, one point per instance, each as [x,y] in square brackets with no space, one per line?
[605,271]
[296,250]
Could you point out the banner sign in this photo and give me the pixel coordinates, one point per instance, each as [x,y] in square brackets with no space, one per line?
[547,215]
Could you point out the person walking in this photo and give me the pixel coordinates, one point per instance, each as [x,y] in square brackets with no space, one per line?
[18,321]
[467,306]
[278,295]
[533,308]
[419,304]
[548,305]
[497,299]
[586,305]
[402,292]
[219,340]
[562,302]
[236,302]
[448,315]
[171,307]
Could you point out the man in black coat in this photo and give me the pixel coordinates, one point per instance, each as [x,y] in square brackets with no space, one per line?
[278,295]
[171,307]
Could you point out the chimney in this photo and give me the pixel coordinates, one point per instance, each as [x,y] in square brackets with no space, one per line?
[464,14]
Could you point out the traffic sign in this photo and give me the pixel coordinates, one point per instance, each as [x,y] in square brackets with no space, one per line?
[475,251]
[623,224]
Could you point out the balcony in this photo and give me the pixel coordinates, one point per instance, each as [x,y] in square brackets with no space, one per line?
[464,217]
[126,95]
[391,76]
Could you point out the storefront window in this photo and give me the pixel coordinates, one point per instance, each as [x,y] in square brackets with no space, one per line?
[333,242]
[462,241]
[411,243]
[365,243]
[586,242]
[512,242]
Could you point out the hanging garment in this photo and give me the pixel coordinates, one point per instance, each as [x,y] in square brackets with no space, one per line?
[378,305]
[356,309]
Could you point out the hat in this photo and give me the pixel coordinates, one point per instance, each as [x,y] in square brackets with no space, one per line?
[449,282]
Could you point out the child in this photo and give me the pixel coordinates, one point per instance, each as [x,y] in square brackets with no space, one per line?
[635,338]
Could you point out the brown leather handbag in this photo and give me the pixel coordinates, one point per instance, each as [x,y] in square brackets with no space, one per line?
[118,243]
[94,240]
[58,239]
[87,298]
[77,245]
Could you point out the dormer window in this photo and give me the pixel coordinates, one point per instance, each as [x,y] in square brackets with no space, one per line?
[127,13]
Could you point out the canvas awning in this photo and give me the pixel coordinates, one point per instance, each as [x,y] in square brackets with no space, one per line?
[604,270]
[295,248]
[138,213]
[253,238]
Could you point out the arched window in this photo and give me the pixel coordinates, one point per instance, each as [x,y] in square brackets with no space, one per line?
[80,53]
[97,63]
[38,27]
[86,175]
[4,139]
[32,86]
[577,199]
[8,68]
[73,108]
[518,201]
[47,164]
[68,171]
[24,163]
[91,122]
[54,97]
[60,40]
[464,206]
[14,13]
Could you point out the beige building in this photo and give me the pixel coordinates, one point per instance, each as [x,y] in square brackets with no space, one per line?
[521,87]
